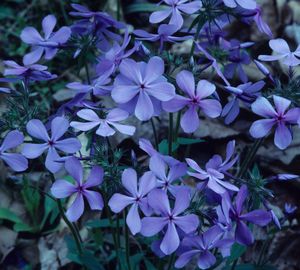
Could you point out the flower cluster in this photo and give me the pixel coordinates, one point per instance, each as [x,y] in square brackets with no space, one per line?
[186,208]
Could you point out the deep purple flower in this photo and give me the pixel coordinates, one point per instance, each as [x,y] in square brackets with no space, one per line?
[213,63]
[283,52]
[96,23]
[98,87]
[164,34]
[211,178]
[136,197]
[59,126]
[237,58]
[199,246]
[33,72]
[172,219]
[289,209]
[259,217]
[280,117]
[106,124]
[167,175]
[63,189]
[15,161]
[174,9]
[110,60]
[141,86]
[197,98]
[247,4]
[49,44]
[247,93]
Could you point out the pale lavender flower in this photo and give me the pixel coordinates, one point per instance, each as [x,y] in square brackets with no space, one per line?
[212,177]
[173,219]
[136,197]
[106,124]
[15,161]
[49,44]
[247,93]
[140,87]
[200,246]
[261,24]
[246,4]
[167,175]
[283,52]
[164,34]
[280,117]
[175,9]
[27,73]
[197,99]
[63,189]
[259,217]
[98,87]
[59,127]
[289,209]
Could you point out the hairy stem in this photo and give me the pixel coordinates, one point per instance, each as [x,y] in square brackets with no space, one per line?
[170,139]
[154,133]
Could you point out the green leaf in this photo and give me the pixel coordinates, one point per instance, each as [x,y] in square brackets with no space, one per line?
[143,7]
[236,252]
[187,141]
[22,227]
[163,147]
[9,215]
[103,223]
[51,209]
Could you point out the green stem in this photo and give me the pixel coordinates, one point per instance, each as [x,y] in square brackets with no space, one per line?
[154,133]
[170,139]
[171,260]
[127,246]
[234,264]
[250,157]
[177,126]
[70,225]
[87,73]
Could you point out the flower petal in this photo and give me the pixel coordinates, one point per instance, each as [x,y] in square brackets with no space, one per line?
[147,183]
[31,150]
[16,162]
[48,25]
[12,140]
[187,223]
[263,107]
[171,240]
[152,225]
[283,136]
[205,89]
[51,160]
[31,36]
[186,82]
[133,219]
[129,181]
[76,209]
[95,178]
[36,129]
[261,128]
[59,126]
[74,168]
[190,120]
[94,199]
[144,108]
[70,145]
[119,201]
[62,189]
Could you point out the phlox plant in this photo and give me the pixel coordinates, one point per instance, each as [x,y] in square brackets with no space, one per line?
[161,209]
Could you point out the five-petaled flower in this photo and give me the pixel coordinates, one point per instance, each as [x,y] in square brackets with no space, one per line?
[49,44]
[59,126]
[278,116]
[173,219]
[197,98]
[140,87]
[136,197]
[283,52]
[105,124]
[63,189]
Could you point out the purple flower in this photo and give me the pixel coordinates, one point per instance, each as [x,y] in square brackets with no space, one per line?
[33,72]
[49,44]
[106,124]
[141,86]
[279,117]
[98,87]
[167,176]
[247,4]
[238,58]
[213,177]
[15,161]
[283,52]
[146,146]
[247,93]
[63,189]
[98,24]
[136,197]
[59,126]
[196,99]
[174,9]
[200,246]
[110,60]
[172,219]
[261,25]
[259,217]
[164,34]
[289,209]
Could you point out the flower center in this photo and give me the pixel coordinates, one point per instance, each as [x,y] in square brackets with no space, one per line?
[142,86]
[50,143]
